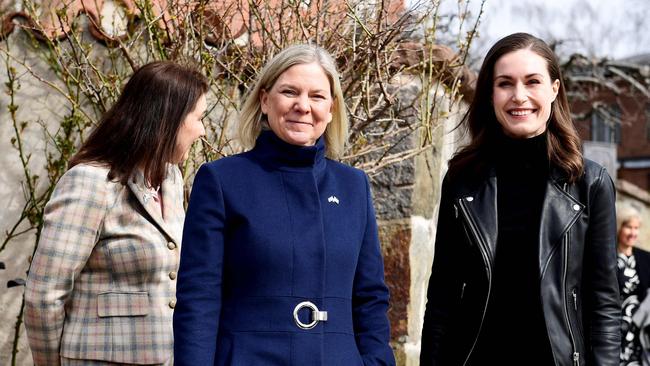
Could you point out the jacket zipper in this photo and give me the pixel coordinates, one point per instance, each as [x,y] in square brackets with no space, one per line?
[575,299]
[488,266]
[576,354]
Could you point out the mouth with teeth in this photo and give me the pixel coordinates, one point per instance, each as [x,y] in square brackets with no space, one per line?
[521,112]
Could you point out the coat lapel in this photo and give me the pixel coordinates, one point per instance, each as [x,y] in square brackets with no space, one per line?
[560,211]
[482,206]
[137,186]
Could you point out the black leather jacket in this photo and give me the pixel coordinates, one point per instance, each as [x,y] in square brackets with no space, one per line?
[577,261]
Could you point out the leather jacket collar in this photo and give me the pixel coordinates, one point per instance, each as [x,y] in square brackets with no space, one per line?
[560,210]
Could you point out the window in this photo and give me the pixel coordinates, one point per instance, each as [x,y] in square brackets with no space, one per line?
[606,124]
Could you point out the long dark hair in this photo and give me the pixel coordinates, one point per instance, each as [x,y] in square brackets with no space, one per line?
[140,129]
[481,122]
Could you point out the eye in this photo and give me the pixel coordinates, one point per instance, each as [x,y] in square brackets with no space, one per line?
[534,81]
[318,96]
[504,83]
[288,92]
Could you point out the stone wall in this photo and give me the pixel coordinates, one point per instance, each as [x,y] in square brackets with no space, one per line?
[47,107]
[406,196]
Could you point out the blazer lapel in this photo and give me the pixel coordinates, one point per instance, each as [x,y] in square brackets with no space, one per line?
[560,211]
[173,209]
[137,186]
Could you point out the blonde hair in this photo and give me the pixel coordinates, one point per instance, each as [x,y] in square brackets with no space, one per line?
[625,213]
[251,116]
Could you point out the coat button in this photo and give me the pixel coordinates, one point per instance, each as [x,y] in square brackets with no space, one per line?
[172,275]
[576,207]
[171,245]
[172,303]
[469,199]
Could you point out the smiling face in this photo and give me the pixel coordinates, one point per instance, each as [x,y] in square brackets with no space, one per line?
[191,129]
[299,105]
[629,233]
[523,93]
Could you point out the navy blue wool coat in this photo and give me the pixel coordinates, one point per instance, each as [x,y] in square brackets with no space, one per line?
[266,230]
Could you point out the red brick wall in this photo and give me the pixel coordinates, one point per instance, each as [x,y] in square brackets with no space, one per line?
[638,177]
[634,130]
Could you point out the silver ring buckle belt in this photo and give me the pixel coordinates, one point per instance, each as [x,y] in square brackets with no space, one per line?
[275,314]
[316,315]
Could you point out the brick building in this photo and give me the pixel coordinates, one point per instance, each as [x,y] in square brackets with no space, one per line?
[610,101]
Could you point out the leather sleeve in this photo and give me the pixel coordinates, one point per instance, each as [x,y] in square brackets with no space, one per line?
[444,286]
[602,299]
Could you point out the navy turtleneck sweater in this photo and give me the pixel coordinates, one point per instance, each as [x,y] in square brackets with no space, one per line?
[271,150]
[514,332]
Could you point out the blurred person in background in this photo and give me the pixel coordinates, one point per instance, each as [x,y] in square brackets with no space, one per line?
[633,280]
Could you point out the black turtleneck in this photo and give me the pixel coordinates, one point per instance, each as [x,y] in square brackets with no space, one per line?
[514,332]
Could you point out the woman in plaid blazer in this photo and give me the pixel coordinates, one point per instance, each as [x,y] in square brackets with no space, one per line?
[101,287]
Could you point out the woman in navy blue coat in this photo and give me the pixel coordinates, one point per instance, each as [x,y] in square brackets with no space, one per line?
[281,263]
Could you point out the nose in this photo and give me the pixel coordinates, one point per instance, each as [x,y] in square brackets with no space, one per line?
[302,104]
[198,130]
[519,93]
[202,130]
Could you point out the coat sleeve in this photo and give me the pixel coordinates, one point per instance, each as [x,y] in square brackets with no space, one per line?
[198,291]
[370,296]
[444,284]
[72,222]
[602,293]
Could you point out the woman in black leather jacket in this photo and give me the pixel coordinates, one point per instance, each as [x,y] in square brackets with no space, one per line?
[525,265]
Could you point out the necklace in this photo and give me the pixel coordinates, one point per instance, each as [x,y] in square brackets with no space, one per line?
[150,193]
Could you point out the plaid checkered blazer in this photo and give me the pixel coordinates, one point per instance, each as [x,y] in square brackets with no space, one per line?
[102,282]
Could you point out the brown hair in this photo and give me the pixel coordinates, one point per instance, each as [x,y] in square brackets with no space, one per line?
[140,129]
[480,121]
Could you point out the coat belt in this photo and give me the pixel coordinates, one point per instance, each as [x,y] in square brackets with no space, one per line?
[276,314]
